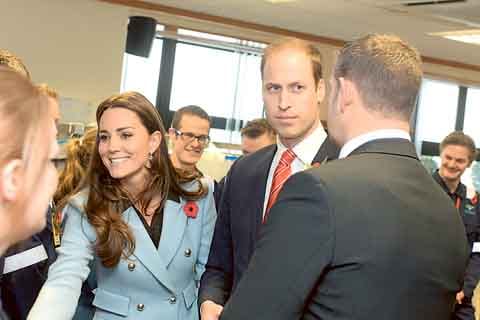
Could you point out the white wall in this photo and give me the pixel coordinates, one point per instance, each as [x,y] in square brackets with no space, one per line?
[75,46]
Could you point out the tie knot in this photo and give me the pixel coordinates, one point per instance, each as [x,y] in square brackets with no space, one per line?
[287,157]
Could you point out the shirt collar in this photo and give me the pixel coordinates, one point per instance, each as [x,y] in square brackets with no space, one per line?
[461,190]
[307,149]
[369,136]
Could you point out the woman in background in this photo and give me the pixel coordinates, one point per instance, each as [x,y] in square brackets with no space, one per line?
[148,234]
[28,177]
[78,153]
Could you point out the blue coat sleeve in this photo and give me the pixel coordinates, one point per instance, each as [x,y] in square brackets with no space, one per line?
[209,215]
[66,275]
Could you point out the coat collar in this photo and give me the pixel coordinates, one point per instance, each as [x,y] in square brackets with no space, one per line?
[393,146]
[158,261]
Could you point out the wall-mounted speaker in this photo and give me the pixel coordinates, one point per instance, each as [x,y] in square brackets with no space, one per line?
[140,35]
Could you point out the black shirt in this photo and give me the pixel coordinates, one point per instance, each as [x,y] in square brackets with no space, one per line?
[458,195]
[154,230]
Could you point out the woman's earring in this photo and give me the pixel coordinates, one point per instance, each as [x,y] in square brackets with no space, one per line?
[149,162]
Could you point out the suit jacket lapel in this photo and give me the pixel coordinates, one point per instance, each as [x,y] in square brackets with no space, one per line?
[145,250]
[259,181]
[328,151]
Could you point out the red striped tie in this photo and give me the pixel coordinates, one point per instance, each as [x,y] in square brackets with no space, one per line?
[282,172]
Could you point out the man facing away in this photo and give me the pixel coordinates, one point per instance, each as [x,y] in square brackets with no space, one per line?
[292,88]
[457,152]
[257,134]
[369,236]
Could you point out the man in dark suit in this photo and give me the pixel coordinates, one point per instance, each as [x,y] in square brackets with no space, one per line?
[369,236]
[292,90]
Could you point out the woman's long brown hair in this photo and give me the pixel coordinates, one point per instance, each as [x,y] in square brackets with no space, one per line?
[107,199]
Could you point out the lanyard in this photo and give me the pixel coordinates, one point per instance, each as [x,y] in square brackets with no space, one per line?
[458,202]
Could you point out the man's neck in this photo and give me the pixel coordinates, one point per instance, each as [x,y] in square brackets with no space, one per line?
[182,166]
[290,143]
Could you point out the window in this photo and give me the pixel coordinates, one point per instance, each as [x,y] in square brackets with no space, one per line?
[141,74]
[437,110]
[472,115]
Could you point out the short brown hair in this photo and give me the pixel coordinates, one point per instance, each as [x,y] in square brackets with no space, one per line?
[12,61]
[386,70]
[256,128]
[48,91]
[191,110]
[307,47]
[458,138]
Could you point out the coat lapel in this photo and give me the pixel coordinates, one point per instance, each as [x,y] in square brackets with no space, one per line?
[174,225]
[145,250]
[258,183]
[393,146]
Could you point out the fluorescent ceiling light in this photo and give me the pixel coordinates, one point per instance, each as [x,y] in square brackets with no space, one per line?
[467,36]
[280,1]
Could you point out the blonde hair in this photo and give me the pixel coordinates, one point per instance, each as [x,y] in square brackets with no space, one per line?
[48,91]
[10,60]
[79,151]
[24,122]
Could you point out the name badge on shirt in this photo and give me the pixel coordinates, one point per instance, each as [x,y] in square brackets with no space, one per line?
[25,259]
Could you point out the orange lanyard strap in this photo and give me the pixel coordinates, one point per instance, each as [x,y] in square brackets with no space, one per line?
[458,202]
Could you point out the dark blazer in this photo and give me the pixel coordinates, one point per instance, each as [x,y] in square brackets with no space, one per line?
[21,287]
[371,236]
[239,221]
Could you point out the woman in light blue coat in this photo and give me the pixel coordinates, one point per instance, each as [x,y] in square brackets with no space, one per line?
[147,229]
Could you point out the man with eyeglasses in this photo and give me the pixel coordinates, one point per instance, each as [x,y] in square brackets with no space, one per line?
[189,137]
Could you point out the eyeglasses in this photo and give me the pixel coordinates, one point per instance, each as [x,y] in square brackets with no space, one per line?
[188,137]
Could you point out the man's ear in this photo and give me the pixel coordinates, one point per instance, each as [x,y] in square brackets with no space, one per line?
[155,140]
[348,93]
[172,134]
[11,180]
[320,92]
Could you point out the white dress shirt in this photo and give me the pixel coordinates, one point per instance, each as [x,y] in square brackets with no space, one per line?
[305,151]
[356,142]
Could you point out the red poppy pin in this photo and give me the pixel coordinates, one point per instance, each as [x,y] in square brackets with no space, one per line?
[191,209]
[474,200]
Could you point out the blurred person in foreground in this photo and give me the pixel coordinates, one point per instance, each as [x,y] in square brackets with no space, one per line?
[27,262]
[368,236]
[28,177]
